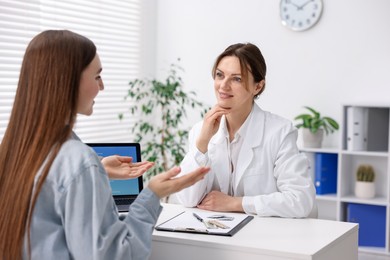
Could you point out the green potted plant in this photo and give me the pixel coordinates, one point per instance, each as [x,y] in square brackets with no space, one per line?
[313,127]
[161,107]
[365,186]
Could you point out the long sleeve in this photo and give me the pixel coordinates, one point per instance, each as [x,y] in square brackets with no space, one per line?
[92,225]
[75,216]
[191,196]
[294,195]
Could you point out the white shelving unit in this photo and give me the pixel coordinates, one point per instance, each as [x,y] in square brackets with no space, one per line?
[334,206]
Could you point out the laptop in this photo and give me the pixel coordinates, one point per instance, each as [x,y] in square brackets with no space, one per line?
[123,191]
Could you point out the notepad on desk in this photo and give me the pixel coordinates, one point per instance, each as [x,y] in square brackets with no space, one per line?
[203,222]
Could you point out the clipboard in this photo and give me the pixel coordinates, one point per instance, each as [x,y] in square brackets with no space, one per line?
[186,222]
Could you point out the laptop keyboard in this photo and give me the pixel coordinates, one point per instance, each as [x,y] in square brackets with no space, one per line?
[123,201]
[123,204]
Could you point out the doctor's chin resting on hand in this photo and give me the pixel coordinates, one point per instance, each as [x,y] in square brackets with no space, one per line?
[255,163]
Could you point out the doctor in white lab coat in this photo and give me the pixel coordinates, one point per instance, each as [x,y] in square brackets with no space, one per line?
[256,166]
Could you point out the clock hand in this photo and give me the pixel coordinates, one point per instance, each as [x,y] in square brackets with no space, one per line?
[301,7]
[294,4]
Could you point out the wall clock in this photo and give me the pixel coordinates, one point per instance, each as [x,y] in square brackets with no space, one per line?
[300,15]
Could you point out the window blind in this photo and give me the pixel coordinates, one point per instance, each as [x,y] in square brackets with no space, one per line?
[114,26]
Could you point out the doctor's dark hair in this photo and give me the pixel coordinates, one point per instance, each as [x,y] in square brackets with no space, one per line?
[251,60]
[41,120]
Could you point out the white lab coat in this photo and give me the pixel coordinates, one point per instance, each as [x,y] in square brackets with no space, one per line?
[271,174]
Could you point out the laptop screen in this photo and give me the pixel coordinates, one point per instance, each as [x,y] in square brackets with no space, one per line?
[121,187]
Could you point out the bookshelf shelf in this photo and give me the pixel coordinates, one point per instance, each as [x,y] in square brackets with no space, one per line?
[374,250]
[362,153]
[338,206]
[380,201]
[328,197]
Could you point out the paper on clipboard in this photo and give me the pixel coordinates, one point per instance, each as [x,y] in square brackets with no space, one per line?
[186,222]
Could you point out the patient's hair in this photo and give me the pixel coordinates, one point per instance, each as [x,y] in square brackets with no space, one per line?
[42,119]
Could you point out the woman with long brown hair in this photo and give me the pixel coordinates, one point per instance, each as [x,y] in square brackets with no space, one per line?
[55,197]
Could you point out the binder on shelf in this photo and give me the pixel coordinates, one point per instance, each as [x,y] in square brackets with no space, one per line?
[325,173]
[357,123]
[311,167]
[372,223]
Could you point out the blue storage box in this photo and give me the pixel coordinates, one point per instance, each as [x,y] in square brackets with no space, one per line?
[372,223]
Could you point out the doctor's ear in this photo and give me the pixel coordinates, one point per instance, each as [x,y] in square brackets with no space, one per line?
[259,87]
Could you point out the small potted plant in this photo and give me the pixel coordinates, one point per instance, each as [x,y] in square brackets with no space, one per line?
[313,127]
[365,186]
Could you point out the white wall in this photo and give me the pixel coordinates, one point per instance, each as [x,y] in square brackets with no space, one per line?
[148,32]
[345,58]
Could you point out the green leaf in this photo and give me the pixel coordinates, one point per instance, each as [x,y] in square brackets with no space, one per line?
[332,122]
[314,121]
[314,112]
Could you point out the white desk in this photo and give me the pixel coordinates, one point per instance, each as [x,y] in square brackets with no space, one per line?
[262,238]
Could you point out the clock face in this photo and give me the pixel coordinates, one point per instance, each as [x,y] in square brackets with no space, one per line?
[300,15]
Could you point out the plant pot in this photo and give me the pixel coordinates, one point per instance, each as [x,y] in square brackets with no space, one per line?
[311,140]
[365,190]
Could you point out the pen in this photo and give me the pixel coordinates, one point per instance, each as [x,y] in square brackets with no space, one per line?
[201,220]
[197,217]
[218,224]
[221,217]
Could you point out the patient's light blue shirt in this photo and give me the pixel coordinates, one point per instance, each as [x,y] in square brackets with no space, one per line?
[75,216]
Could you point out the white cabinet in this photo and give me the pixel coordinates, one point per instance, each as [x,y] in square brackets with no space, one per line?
[337,206]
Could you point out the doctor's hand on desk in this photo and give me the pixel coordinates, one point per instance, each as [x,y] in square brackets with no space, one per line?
[122,167]
[165,184]
[218,201]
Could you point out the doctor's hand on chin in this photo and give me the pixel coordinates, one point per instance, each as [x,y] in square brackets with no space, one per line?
[210,126]
[218,201]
